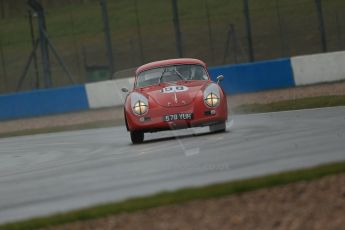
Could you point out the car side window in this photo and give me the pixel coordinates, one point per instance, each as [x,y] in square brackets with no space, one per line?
[149,77]
[198,73]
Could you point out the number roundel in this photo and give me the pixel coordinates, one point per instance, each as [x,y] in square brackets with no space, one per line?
[174,89]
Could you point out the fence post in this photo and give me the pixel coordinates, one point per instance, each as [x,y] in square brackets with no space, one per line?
[141,51]
[284,45]
[38,8]
[249,30]
[3,63]
[339,31]
[210,37]
[177,29]
[321,25]
[76,50]
[107,37]
[33,39]
[231,35]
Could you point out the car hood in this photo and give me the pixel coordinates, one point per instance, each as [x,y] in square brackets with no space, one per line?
[174,94]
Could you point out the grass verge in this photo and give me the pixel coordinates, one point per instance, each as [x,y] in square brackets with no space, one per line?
[179,196]
[303,103]
[90,125]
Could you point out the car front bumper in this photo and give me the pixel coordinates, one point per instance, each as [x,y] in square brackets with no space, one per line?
[153,121]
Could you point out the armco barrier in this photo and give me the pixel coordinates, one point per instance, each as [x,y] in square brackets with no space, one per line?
[253,77]
[319,68]
[43,102]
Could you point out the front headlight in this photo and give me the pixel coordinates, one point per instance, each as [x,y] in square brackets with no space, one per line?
[139,103]
[212,100]
[212,95]
[140,108]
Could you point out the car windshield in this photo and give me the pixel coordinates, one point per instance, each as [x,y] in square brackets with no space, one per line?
[171,73]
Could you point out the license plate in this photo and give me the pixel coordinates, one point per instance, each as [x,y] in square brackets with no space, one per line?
[178,116]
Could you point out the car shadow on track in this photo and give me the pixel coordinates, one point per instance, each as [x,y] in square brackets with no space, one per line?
[182,136]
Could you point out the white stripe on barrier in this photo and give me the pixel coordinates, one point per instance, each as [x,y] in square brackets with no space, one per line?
[107,93]
[318,68]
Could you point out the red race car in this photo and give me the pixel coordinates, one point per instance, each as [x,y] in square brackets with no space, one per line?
[174,94]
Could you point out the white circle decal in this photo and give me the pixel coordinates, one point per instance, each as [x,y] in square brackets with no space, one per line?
[174,89]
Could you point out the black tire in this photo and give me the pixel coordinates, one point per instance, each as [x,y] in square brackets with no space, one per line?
[218,128]
[137,137]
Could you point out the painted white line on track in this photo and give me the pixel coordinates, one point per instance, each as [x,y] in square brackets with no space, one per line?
[294,110]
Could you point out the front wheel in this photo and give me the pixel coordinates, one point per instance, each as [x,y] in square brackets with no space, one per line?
[218,128]
[137,137]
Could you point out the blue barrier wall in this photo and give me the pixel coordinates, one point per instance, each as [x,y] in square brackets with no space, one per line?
[242,78]
[43,102]
[253,77]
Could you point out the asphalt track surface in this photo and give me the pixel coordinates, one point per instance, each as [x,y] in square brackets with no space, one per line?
[48,173]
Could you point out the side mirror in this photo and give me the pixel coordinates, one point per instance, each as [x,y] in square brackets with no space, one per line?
[125,90]
[220,78]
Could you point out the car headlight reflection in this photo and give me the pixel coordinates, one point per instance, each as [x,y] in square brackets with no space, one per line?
[140,108]
[212,100]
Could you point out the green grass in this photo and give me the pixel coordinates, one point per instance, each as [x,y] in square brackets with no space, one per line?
[90,125]
[77,32]
[303,103]
[179,196]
